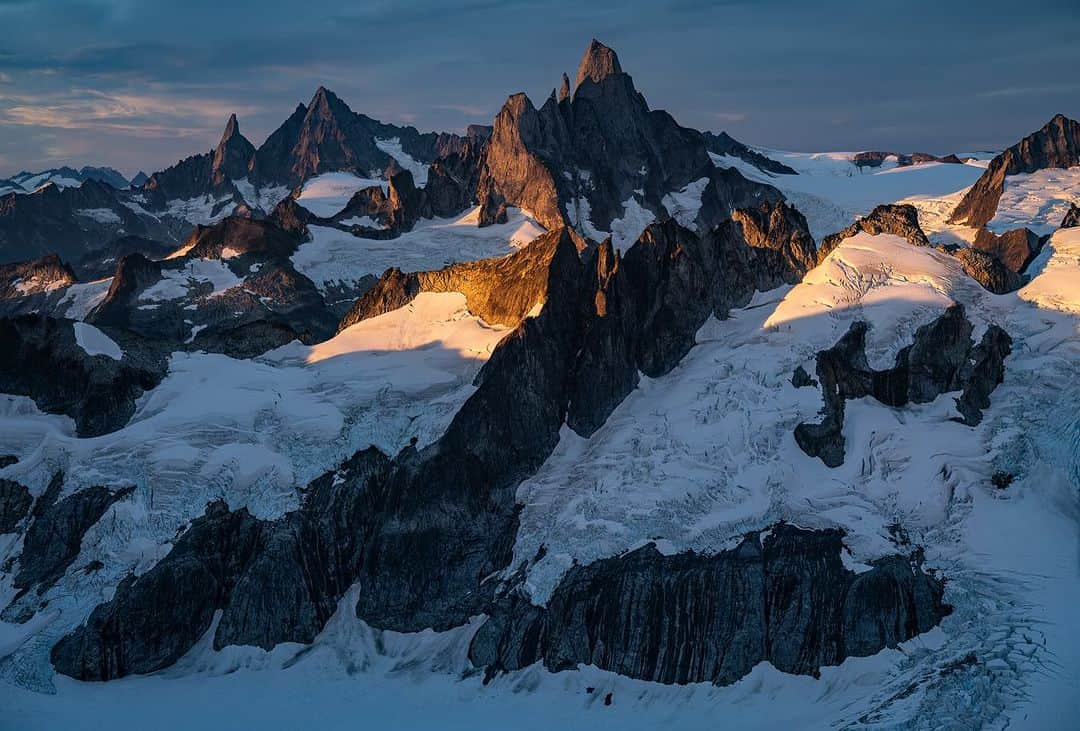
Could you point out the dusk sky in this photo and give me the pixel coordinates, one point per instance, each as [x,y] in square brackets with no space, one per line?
[137,84]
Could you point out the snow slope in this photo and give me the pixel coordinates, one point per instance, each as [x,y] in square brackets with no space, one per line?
[326,194]
[250,431]
[696,458]
[831,191]
[691,460]
[1037,200]
[95,342]
[333,256]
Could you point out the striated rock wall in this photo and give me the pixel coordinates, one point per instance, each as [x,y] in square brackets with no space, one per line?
[785,598]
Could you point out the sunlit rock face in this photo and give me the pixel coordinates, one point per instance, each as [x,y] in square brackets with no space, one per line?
[1056,145]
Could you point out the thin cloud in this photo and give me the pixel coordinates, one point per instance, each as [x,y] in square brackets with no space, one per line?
[141,115]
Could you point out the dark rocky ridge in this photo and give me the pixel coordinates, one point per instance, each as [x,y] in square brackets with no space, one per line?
[725,144]
[896,219]
[988,270]
[601,145]
[875,158]
[1056,145]
[1015,249]
[690,618]
[942,358]
[54,538]
[422,532]
[34,276]
[40,358]
[1072,218]
[15,501]
[55,221]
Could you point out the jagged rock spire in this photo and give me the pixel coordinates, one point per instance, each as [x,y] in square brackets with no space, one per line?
[598,63]
[564,91]
[234,155]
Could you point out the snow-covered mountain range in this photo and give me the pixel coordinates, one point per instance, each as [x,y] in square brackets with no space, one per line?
[583,418]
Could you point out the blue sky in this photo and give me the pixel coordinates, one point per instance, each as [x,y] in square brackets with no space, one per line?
[141,83]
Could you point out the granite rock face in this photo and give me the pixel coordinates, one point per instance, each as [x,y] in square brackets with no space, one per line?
[69,222]
[15,501]
[876,158]
[988,270]
[583,156]
[54,538]
[1015,249]
[689,618]
[1072,218]
[1056,145]
[941,359]
[725,144]
[36,276]
[40,358]
[896,219]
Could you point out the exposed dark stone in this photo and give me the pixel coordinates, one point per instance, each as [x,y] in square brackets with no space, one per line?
[801,379]
[243,236]
[600,145]
[1015,248]
[55,221]
[483,282]
[326,136]
[153,619]
[897,219]
[875,158]
[692,618]
[942,358]
[134,273]
[6,460]
[1072,218]
[15,501]
[988,270]
[33,277]
[1056,145]
[1001,479]
[54,538]
[725,144]
[780,240]
[234,157]
[101,261]
[40,358]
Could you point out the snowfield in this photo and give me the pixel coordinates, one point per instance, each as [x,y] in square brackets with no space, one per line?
[326,194]
[333,256]
[831,191]
[95,342]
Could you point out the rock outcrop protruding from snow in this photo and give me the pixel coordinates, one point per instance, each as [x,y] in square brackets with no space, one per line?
[15,502]
[988,270]
[40,358]
[501,290]
[942,358]
[1015,249]
[897,219]
[53,540]
[686,618]
[875,158]
[1056,145]
[1072,218]
[34,277]
[725,144]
